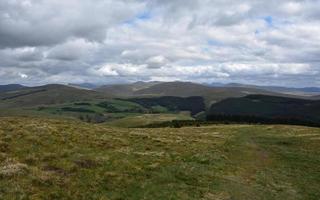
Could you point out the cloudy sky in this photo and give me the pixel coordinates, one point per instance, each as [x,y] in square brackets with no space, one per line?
[110,41]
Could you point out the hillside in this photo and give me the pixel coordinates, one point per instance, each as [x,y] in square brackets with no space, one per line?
[46,95]
[193,104]
[125,90]
[88,86]
[180,89]
[136,99]
[270,107]
[304,91]
[54,159]
[143,120]
[211,94]
[11,87]
[316,97]
[184,89]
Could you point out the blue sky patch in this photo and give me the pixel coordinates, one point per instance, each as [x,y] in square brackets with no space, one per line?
[269,20]
[146,15]
[212,42]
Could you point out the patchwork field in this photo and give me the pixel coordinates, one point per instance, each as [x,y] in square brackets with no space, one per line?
[66,159]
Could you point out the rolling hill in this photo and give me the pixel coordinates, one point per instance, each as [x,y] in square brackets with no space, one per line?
[153,97]
[273,108]
[183,89]
[11,87]
[125,90]
[210,94]
[180,89]
[193,104]
[304,91]
[17,95]
[46,95]
[89,86]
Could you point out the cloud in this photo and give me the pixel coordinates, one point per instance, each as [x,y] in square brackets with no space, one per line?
[274,42]
[292,7]
[41,23]
[157,61]
[23,75]
[71,50]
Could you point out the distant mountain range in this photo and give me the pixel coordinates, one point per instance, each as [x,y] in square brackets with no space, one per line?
[240,102]
[19,95]
[185,89]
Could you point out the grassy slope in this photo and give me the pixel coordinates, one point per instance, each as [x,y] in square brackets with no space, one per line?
[125,90]
[210,94]
[54,159]
[126,115]
[46,95]
[268,106]
[56,110]
[146,119]
[193,104]
[10,87]
[118,105]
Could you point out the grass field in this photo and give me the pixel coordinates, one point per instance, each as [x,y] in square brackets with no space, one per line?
[147,119]
[105,106]
[64,159]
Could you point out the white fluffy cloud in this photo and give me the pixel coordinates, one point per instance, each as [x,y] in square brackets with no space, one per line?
[262,42]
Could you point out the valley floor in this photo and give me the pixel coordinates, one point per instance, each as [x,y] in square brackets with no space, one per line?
[65,159]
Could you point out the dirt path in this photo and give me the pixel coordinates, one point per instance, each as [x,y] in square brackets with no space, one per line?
[250,171]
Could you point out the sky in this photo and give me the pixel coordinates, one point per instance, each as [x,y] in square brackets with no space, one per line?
[117,41]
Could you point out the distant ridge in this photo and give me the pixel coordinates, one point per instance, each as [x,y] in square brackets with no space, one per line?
[11,87]
[210,94]
[46,95]
[176,88]
[307,91]
[125,90]
[18,95]
[90,86]
[179,88]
